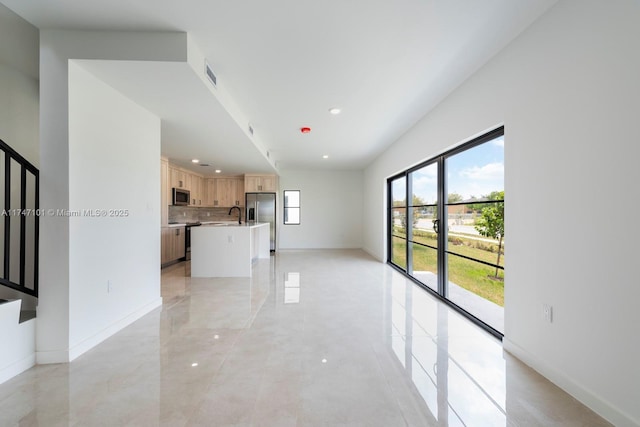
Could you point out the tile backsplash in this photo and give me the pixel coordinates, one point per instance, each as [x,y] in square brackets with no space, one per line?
[181,214]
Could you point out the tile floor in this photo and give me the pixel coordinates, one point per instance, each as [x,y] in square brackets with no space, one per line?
[315,338]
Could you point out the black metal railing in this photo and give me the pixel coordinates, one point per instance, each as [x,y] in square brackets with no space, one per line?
[21,212]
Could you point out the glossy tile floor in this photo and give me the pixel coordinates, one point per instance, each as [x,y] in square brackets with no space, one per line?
[315,338]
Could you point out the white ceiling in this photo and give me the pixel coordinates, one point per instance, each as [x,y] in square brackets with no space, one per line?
[286,62]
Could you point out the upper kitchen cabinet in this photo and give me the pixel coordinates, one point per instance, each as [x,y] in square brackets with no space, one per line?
[224,191]
[240,191]
[178,177]
[260,183]
[230,191]
[197,190]
[209,192]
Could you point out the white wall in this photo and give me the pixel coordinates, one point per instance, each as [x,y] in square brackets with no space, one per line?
[331,210]
[19,112]
[568,93]
[60,272]
[19,51]
[114,146]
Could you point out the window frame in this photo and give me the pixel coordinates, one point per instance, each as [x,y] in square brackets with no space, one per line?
[286,208]
[440,159]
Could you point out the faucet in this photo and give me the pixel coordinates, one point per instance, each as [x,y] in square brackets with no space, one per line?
[239,213]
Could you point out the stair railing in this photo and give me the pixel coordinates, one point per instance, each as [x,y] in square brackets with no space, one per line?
[20,181]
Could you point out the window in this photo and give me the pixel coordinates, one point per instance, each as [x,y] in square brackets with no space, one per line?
[292,207]
[446,227]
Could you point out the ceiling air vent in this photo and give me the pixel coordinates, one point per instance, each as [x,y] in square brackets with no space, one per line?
[210,75]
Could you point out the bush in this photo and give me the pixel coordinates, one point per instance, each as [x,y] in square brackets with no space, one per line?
[455,240]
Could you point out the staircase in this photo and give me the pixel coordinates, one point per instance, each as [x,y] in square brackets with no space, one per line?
[19,227]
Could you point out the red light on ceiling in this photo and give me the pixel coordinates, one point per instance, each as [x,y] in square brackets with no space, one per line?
[305,130]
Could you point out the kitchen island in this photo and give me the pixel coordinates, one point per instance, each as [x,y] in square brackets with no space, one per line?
[228,249]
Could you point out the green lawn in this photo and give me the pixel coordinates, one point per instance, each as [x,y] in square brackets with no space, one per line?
[470,275]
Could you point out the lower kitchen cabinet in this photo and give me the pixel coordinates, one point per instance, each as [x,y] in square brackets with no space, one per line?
[172,243]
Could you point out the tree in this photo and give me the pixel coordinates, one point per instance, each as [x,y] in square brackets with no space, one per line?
[493,196]
[491,222]
[454,198]
[416,203]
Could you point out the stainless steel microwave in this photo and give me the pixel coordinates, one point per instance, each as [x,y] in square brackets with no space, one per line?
[181,197]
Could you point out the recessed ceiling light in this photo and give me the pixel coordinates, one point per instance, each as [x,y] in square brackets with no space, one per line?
[335,110]
[218,171]
[326,156]
[195,161]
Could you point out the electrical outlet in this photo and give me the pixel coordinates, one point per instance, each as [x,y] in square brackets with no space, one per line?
[547,313]
[184,214]
[230,238]
[108,286]
[208,213]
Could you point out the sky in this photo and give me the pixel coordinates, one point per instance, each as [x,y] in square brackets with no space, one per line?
[473,173]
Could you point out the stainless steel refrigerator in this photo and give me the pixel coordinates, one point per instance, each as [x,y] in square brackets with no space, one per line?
[261,207]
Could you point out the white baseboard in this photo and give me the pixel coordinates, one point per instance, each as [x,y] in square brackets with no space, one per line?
[50,357]
[16,368]
[18,341]
[597,404]
[65,356]
[372,254]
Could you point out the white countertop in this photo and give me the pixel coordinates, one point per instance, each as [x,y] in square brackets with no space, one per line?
[217,223]
[234,224]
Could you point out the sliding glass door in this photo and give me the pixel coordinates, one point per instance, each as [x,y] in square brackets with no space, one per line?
[446,227]
[424,213]
[398,222]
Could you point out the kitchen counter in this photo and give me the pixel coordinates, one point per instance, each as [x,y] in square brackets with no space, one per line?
[228,249]
[232,224]
[218,223]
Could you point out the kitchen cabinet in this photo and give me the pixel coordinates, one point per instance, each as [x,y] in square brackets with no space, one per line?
[172,244]
[224,192]
[260,183]
[240,191]
[165,244]
[178,177]
[197,190]
[165,191]
[209,191]
[227,192]
[187,181]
